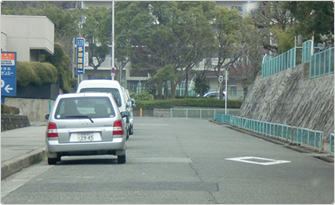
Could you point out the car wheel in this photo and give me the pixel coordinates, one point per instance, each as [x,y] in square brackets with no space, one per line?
[121,159]
[52,161]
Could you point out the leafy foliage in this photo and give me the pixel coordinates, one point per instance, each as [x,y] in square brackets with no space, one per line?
[314,17]
[62,62]
[36,73]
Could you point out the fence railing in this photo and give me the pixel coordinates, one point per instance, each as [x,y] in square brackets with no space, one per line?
[205,113]
[322,63]
[331,139]
[272,65]
[304,137]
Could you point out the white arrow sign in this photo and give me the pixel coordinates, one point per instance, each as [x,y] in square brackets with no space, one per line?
[7,88]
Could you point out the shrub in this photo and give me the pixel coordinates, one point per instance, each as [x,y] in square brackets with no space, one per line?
[5,109]
[187,102]
[142,96]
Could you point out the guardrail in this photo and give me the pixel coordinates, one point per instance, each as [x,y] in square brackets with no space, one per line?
[205,113]
[331,139]
[304,137]
[322,63]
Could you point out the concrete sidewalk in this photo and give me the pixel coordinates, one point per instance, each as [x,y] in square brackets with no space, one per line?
[22,147]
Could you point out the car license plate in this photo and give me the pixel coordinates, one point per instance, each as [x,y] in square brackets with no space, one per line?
[85,137]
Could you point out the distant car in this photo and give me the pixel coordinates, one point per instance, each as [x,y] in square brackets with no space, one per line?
[85,124]
[215,94]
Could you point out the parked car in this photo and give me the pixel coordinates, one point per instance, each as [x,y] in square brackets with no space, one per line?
[130,105]
[107,86]
[215,94]
[85,124]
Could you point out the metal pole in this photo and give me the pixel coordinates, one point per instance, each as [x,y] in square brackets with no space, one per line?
[112,36]
[225,101]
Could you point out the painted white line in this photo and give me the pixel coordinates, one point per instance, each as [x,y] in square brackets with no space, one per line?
[258,160]
[151,124]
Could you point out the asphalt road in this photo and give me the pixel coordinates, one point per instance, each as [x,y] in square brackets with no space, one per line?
[179,161]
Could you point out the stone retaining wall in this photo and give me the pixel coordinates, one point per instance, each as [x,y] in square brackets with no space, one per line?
[9,122]
[290,97]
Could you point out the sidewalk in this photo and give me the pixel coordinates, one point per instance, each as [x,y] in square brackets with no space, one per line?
[22,147]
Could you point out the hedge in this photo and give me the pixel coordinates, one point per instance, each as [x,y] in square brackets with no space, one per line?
[188,102]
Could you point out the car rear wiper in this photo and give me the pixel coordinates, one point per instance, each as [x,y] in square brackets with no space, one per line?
[80,116]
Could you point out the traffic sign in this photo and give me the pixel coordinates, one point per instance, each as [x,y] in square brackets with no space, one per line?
[113,70]
[8,73]
[80,55]
[220,78]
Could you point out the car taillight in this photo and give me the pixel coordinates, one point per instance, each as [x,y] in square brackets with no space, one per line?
[117,128]
[52,130]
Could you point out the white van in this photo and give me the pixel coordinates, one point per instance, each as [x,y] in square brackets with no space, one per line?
[107,86]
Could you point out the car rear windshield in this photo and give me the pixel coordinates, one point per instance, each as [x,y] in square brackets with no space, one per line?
[115,93]
[91,107]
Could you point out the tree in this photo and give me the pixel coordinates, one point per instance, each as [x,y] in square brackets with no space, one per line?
[162,34]
[227,26]
[251,51]
[315,18]
[97,32]
[201,83]
[274,20]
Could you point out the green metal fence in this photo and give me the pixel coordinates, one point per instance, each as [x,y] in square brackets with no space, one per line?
[331,139]
[272,65]
[322,63]
[304,137]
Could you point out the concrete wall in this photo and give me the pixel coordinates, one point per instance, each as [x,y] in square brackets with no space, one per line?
[35,109]
[291,98]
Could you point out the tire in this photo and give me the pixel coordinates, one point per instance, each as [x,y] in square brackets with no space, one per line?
[52,161]
[121,159]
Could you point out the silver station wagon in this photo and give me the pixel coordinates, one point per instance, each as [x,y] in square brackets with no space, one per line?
[85,124]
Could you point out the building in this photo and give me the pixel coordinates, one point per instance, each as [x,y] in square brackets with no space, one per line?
[29,37]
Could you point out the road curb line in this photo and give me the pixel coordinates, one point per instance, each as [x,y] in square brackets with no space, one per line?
[14,165]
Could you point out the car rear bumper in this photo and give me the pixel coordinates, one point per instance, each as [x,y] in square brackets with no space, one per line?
[53,146]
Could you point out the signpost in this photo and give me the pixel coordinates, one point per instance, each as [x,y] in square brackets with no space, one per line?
[8,75]
[113,73]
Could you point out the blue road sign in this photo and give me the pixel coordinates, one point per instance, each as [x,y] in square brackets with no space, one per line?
[80,55]
[113,70]
[8,73]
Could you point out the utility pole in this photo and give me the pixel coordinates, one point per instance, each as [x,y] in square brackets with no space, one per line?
[112,51]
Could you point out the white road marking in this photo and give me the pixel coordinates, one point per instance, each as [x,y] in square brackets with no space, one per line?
[266,161]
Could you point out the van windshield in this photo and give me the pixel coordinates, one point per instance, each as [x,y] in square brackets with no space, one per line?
[115,93]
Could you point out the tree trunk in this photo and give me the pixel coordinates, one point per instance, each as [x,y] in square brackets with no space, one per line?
[159,92]
[173,89]
[186,83]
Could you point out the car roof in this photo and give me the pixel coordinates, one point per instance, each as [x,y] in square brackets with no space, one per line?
[100,83]
[72,95]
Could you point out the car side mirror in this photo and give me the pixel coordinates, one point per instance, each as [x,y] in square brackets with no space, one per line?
[47,116]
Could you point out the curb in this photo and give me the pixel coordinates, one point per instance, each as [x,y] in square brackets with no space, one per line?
[318,155]
[14,165]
